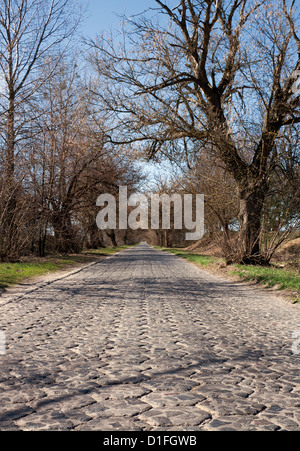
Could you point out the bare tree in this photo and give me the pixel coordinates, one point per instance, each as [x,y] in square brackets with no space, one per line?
[216,73]
[64,148]
[68,162]
[30,30]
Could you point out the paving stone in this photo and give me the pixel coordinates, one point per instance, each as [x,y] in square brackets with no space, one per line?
[162,399]
[147,341]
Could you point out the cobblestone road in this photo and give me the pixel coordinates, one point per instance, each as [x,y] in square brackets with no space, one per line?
[147,341]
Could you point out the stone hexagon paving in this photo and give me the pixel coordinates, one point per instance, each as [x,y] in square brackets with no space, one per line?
[147,341]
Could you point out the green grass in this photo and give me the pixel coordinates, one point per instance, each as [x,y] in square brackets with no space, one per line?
[203,260]
[14,273]
[106,250]
[270,276]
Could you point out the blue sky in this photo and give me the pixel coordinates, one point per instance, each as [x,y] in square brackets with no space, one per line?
[101,15]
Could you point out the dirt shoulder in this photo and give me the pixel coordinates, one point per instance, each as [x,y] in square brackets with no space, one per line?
[48,270]
[282,277]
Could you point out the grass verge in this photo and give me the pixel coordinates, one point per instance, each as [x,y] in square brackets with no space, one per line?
[270,276]
[203,260]
[105,250]
[14,273]
[281,278]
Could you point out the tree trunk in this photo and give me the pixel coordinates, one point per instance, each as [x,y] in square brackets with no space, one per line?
[112,236]
[10,142]
[9,178]
[94,238]
[65,238]
[250,217]
[42,244]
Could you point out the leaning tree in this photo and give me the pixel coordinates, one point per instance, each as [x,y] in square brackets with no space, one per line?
[213,74]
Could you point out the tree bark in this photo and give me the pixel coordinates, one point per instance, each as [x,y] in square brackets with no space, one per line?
[251,206]
[10,142]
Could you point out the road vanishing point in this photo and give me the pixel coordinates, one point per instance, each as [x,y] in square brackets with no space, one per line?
[146,341]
